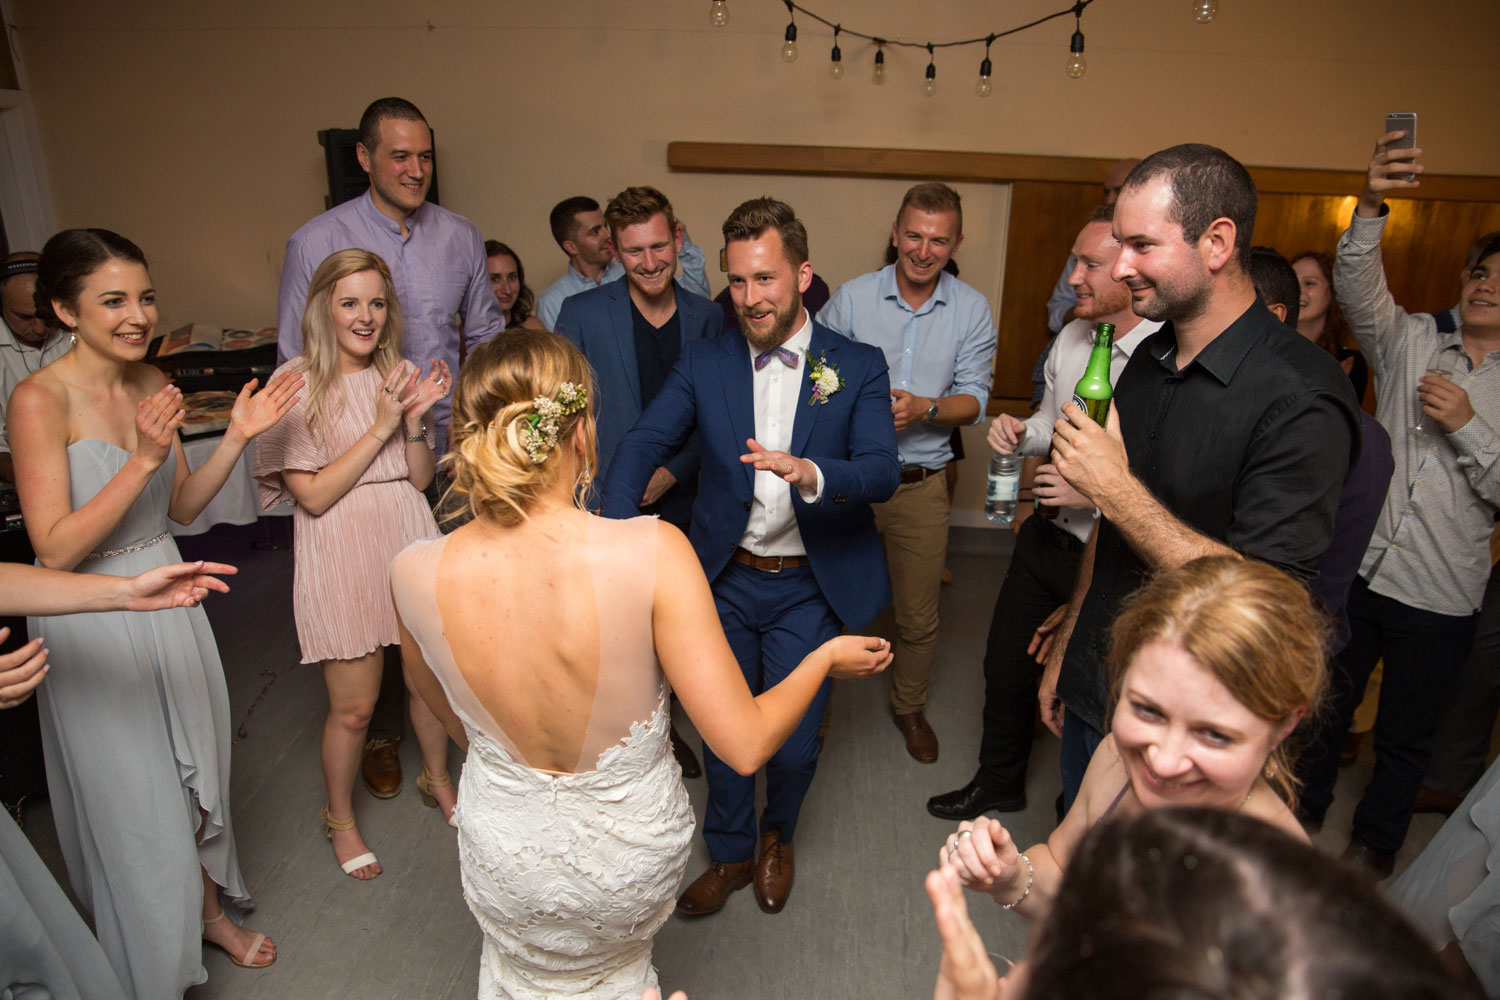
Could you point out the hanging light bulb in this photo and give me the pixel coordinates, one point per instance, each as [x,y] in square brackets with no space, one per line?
[1076,63]
[789,47]
[929,85]
[878,77]
[1205,11]
[719,16]
[836,68]
[983,87]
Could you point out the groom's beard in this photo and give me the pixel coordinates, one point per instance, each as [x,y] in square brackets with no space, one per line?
[779,331]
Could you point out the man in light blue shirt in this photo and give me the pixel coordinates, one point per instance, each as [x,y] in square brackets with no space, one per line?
[939,340]
[579,229]
[436,258]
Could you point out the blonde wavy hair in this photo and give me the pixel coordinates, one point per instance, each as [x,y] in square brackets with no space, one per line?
[320,344]
[1252,627]
[492,471]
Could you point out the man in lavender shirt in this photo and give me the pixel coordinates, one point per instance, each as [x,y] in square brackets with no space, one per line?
[436,257]
[440,272]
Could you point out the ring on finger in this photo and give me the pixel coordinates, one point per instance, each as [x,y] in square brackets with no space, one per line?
[961,835]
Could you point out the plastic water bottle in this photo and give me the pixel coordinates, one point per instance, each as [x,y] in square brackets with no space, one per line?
[1003,488]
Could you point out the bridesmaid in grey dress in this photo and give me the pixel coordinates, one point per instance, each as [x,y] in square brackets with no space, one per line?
[44,945]
[136,728]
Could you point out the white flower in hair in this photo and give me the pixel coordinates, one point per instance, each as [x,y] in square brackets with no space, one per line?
[542,427]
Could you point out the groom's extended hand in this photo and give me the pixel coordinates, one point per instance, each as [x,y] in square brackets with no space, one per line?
[797,471]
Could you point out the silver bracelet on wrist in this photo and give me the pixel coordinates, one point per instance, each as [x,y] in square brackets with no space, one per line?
[420,435]
[1030,878]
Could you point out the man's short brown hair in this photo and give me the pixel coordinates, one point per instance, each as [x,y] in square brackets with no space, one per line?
[933,196]
[752,219]
[635,205]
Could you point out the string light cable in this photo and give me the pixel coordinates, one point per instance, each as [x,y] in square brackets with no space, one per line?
[1203,11]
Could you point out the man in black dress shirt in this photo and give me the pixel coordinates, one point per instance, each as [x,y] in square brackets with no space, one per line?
[1230,434]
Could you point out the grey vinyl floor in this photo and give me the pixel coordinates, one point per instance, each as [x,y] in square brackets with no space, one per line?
[858,923]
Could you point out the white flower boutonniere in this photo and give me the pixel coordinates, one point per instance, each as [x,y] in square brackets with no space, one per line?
[825,377]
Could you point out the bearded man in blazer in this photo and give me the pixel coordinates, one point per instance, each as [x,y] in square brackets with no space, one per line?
[797,442]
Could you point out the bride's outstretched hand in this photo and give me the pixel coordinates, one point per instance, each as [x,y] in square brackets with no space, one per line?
[985,858]
[857,655]
[255,412]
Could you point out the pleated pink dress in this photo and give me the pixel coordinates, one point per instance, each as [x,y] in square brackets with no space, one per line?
[341,594]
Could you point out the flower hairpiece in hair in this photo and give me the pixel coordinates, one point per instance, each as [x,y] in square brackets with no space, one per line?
[540,433]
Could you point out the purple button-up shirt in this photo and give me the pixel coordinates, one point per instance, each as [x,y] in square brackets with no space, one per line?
[439,270]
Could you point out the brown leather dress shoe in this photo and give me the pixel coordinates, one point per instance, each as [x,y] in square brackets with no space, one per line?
[381,768]
[1428,801]
[921,741]
[709,891]
[774,870]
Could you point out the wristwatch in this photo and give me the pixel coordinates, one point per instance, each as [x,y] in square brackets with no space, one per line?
[932,411]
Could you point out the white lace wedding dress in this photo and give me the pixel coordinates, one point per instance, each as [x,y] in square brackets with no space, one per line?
[570,875]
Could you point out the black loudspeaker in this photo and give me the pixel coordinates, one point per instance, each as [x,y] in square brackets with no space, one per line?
[346,179]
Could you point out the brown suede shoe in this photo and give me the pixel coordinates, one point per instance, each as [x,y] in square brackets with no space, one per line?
[921,741]
[381,768]
[709,891]
[774,871]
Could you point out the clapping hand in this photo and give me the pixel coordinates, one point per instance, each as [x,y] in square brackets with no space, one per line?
[21,670]
[157,418]
[255,412]
[390,399]
[425,392]
[857,656]
[985,859]
[966,972]
[1386,173]
[179,585]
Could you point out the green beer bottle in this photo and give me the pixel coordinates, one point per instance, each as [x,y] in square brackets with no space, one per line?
[1092,393]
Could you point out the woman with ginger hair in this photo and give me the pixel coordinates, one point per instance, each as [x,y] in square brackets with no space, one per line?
[1212,665]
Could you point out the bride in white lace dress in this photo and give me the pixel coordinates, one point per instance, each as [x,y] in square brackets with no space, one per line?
[546,639]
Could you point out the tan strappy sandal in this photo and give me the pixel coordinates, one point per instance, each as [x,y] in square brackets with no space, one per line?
[426,782]
[354,864]
[243,961]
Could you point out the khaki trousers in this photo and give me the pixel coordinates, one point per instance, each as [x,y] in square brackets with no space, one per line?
[913,526]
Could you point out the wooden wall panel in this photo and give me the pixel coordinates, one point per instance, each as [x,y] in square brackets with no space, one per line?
[1044,219]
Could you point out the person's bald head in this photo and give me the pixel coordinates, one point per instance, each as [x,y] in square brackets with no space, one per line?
[18,298]
[1115,179]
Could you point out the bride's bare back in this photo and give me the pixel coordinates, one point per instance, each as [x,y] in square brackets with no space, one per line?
[545,631]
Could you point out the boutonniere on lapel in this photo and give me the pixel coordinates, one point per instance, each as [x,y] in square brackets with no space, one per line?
[825,377]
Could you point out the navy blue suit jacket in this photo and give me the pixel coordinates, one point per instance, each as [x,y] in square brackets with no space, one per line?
[599,324]
[852,438]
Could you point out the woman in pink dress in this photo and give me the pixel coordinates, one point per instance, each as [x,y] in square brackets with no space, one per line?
[354,455]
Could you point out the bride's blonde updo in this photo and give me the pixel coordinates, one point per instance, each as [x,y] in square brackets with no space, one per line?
[493,466]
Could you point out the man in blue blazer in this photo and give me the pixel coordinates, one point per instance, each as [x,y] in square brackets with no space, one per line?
[797,442]
[632,330]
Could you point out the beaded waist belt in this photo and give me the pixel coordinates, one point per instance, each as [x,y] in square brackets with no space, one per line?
[106,553]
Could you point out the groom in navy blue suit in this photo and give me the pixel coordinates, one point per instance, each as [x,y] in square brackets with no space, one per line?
[632,330]
[797,442]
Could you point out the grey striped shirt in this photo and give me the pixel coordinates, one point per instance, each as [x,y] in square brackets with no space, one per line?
[1430,549]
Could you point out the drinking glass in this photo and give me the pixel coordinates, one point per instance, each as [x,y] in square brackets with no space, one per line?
[1421,415]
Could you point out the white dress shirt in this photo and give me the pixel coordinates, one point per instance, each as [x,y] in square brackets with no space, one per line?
[772,528]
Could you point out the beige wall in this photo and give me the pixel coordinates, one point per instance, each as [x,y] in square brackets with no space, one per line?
[190,127]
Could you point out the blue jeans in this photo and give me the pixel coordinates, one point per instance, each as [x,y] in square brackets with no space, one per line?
[772,621]
[1079,741]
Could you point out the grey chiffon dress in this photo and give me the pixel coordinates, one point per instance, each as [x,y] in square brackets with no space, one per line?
[135,728]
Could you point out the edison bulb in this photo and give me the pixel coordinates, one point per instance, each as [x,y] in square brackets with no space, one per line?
[1205,11]
[836,69]
[1077,64]
[719,16]
[878,77]
[929,87]
[789,50]
[984,88]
